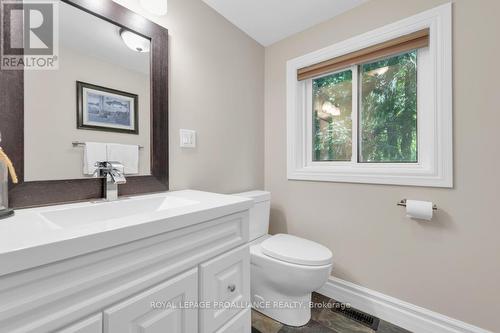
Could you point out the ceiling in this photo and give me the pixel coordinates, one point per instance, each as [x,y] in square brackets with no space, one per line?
[94,37]
[268,21]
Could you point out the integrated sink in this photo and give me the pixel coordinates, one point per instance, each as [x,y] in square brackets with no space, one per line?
[41,235]
[106,211]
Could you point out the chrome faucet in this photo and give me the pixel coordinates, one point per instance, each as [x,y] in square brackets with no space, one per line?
[113,172]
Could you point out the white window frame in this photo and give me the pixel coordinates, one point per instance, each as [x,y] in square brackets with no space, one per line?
[434,110]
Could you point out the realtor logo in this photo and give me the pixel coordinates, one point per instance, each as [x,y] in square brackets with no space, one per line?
[29,38]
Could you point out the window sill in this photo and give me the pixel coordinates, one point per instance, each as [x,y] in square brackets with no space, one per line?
[380,173]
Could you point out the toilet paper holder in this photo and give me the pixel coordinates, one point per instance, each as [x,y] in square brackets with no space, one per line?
[402,202]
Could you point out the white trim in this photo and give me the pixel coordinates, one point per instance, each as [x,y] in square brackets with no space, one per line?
[435,166]
[309,120]
[393,310]
[354,114]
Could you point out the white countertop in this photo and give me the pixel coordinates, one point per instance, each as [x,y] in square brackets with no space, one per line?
[31,238]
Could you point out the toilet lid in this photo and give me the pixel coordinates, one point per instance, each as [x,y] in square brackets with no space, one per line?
[296,250]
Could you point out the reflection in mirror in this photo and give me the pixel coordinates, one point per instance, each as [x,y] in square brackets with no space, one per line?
[99,94]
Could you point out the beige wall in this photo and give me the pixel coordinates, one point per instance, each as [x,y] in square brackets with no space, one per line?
[451,265]
[50,115]
[216,88]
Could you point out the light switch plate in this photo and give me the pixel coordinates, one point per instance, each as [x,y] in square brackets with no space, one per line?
[187,138]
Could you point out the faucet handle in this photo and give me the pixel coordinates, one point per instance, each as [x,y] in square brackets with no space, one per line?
[115,165]
[113,169]
[101,168]
[117,172]
[101,165]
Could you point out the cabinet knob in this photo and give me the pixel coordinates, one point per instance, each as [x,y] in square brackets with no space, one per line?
[231,287]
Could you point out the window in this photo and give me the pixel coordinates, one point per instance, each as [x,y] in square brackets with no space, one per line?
[375,108]
[332,123]
[388,110]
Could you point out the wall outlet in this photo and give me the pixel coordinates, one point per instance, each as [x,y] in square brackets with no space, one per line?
[187,138]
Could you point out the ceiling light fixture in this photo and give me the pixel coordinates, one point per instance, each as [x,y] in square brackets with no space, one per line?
[155,7]
[134,41]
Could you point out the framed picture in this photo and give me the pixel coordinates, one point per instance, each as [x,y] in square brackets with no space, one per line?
[104,109]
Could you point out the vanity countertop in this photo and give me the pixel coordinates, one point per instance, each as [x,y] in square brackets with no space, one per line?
[37,236]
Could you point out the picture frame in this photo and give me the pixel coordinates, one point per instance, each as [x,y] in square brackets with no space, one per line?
[106,109]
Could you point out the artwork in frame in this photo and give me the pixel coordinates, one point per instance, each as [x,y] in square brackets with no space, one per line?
[105,109]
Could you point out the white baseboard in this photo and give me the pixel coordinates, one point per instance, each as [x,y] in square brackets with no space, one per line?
[393,310]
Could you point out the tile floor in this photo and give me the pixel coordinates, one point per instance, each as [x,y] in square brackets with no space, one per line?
[323,320]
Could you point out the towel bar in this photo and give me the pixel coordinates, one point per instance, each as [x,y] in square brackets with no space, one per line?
[80,144]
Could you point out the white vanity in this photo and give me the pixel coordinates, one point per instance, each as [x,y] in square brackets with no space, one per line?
[168,262]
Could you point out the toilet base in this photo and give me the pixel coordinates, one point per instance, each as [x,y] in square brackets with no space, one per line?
[282,290]
[291,311]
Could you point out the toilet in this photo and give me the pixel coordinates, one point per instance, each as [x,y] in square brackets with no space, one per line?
[285,269]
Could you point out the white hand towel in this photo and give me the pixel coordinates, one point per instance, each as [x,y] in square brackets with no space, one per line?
[92,153]
[128,155]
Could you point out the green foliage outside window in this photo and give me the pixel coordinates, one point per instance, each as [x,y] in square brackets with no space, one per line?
[387,112]
[332,124]
[388,117]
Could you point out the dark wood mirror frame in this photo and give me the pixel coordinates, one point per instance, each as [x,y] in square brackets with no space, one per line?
[36,193]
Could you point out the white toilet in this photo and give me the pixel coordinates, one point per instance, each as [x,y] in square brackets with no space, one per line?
[285,269]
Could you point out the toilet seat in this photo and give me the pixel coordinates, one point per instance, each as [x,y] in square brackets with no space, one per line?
[296,250]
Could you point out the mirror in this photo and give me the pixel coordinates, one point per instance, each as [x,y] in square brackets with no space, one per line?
[39,125]
[100,93]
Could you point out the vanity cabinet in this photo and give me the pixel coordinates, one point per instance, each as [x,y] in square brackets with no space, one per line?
[128,288]
[224,280]
[89,325]
[239,324]
[159,307]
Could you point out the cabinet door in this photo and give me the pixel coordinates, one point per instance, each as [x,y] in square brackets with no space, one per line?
[225,283]
[159,309]
[90,325]
[241,323]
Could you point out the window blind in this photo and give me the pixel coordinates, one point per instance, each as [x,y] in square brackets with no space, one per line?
[401,44]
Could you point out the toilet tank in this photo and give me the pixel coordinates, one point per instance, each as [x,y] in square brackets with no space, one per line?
[259,213]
